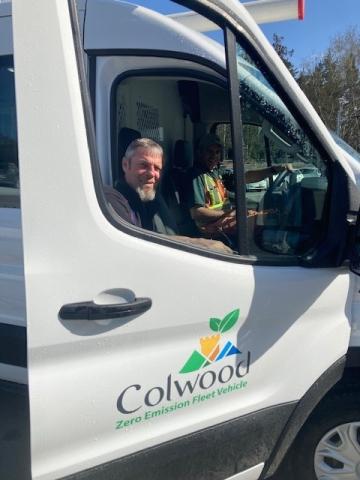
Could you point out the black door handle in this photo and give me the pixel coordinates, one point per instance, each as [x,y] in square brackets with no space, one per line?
[93,311]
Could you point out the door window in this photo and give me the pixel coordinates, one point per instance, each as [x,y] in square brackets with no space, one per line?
[254,154]
[286,177]
[289,204]
[176,111]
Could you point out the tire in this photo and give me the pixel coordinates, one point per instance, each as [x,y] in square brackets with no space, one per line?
[328,445]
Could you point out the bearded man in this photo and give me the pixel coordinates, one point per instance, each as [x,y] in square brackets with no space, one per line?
[136,199]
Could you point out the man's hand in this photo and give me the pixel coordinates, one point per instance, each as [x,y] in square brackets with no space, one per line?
[282,168]
[252,213]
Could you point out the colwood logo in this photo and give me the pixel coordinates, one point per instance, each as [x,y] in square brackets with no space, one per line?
[184,392]
[210,350]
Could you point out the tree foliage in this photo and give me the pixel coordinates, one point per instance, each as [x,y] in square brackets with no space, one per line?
[284,53]
[331,81]
[332,84]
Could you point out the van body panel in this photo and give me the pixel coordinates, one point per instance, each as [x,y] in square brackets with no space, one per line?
[5,9]
[6,47]
[202,452]
[11,373]
[12,284]
[15,431]
[120,29]
[84,375]
[104,374]
[12,298]
[355,326]
[12,287]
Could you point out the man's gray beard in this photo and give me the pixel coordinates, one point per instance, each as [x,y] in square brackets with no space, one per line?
[146,195]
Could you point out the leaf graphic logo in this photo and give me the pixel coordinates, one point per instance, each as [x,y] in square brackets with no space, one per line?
[210,351]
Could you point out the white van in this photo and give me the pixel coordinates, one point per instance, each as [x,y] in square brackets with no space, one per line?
[127,354]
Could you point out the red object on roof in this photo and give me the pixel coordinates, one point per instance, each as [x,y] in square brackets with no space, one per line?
[301,9]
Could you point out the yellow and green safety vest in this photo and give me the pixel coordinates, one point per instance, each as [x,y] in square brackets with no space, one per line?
[215,193]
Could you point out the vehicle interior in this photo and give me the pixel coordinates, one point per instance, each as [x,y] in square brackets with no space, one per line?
[177,110]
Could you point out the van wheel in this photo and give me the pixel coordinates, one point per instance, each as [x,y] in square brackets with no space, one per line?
[328,446]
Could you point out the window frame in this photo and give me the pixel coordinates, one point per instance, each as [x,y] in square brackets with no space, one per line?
[281,260]
[331,209]
[117,221]
[223,83]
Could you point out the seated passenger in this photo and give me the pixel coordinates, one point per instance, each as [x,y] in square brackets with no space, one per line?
[208,198]
[136,199]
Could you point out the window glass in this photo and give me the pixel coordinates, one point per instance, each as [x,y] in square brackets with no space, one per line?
[286,178]
[176,112]
[286,206]
[180,103]
[254,154]
[9,173]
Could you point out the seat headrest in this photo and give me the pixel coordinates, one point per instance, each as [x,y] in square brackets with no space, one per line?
[125,137]
[183,155]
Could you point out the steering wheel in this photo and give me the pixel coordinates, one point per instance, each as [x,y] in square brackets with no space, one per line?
[282,182]
[281,201]
[277,195]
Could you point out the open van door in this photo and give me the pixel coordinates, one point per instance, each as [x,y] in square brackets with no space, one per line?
[148,359]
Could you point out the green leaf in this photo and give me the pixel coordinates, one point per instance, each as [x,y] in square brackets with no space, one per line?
[195,362]
[215,324]
[229,320]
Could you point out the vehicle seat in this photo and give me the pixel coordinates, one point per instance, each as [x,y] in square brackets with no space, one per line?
[174,188]
[125,137]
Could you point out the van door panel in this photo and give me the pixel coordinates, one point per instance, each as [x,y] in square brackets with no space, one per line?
[222,339]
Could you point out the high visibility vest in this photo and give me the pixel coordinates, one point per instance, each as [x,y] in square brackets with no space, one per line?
[215,193]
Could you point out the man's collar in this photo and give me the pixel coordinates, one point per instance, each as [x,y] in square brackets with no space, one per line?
[124,188]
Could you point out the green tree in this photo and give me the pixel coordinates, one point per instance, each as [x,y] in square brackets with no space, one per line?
[284,53]
[332,84]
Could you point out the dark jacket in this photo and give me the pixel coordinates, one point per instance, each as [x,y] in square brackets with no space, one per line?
[153,215]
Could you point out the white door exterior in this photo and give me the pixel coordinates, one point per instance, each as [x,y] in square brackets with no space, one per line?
[103,389]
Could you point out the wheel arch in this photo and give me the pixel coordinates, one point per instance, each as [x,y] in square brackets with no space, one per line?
[329,380]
